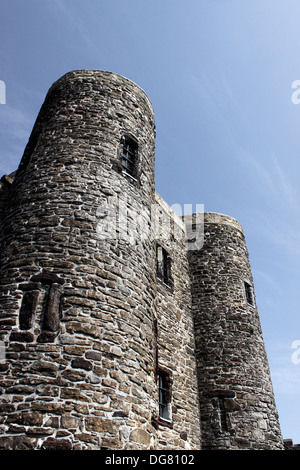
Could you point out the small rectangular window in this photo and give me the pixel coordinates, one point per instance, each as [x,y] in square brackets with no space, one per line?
[164,386]
[163,265]
[249,293]
[129,155]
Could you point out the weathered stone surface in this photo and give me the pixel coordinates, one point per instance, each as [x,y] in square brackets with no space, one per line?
[70,422]
[233,374]
[56,444]
[140,436]
[80,363]
[17,443]
[87,317]
[101,425]
[28,309]
[22,336]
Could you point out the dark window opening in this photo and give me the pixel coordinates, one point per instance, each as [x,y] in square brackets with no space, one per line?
[129,155]
[41,304]
[249,294]
[163,266]
[165,394]
[223,417]
[155,348]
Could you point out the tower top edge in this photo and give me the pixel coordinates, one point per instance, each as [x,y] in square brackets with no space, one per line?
[215,218]
[94,74]
[167,209]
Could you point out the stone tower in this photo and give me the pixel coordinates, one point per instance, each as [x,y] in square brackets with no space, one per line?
[103,305]
[237,405]
[87,324]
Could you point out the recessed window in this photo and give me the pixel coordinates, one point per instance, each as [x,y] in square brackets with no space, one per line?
[165,394]
[249,293]
[41,305]
[129,154]
[163,265]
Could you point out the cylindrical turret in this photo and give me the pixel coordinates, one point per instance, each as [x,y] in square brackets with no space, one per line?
[97,278]
[78,273]
[237,405]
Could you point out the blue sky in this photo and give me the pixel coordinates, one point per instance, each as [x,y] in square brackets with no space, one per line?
[219,74]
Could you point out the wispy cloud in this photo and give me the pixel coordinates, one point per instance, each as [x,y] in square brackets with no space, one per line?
[78,18]
[278,227]
[271,180]
[285,374]
[14,122]
[266,279]
[275,213]
[15,128]
[287,380]
[285,188]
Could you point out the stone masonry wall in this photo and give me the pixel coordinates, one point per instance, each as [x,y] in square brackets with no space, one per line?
[89,318]
[237,404]
[175,336]
[77,286]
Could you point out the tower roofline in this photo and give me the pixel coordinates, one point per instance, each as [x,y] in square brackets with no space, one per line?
[219,218]
[215,218]
[94,72]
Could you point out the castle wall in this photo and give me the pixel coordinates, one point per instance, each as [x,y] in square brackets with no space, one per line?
[77,288]
[116,325]
[235,392]
[175,335]
[86,323]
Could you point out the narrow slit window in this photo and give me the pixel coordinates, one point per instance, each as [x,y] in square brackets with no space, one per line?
[249,293]
[164,386]
[129,155]
[223,417]
[163,265]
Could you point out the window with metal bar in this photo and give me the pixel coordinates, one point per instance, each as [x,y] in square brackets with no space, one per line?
[163,265]
[164,387]
[129,155]
[249,293]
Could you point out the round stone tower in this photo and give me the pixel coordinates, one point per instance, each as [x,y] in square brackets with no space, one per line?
[97,280]
[237,406]
[78,271]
